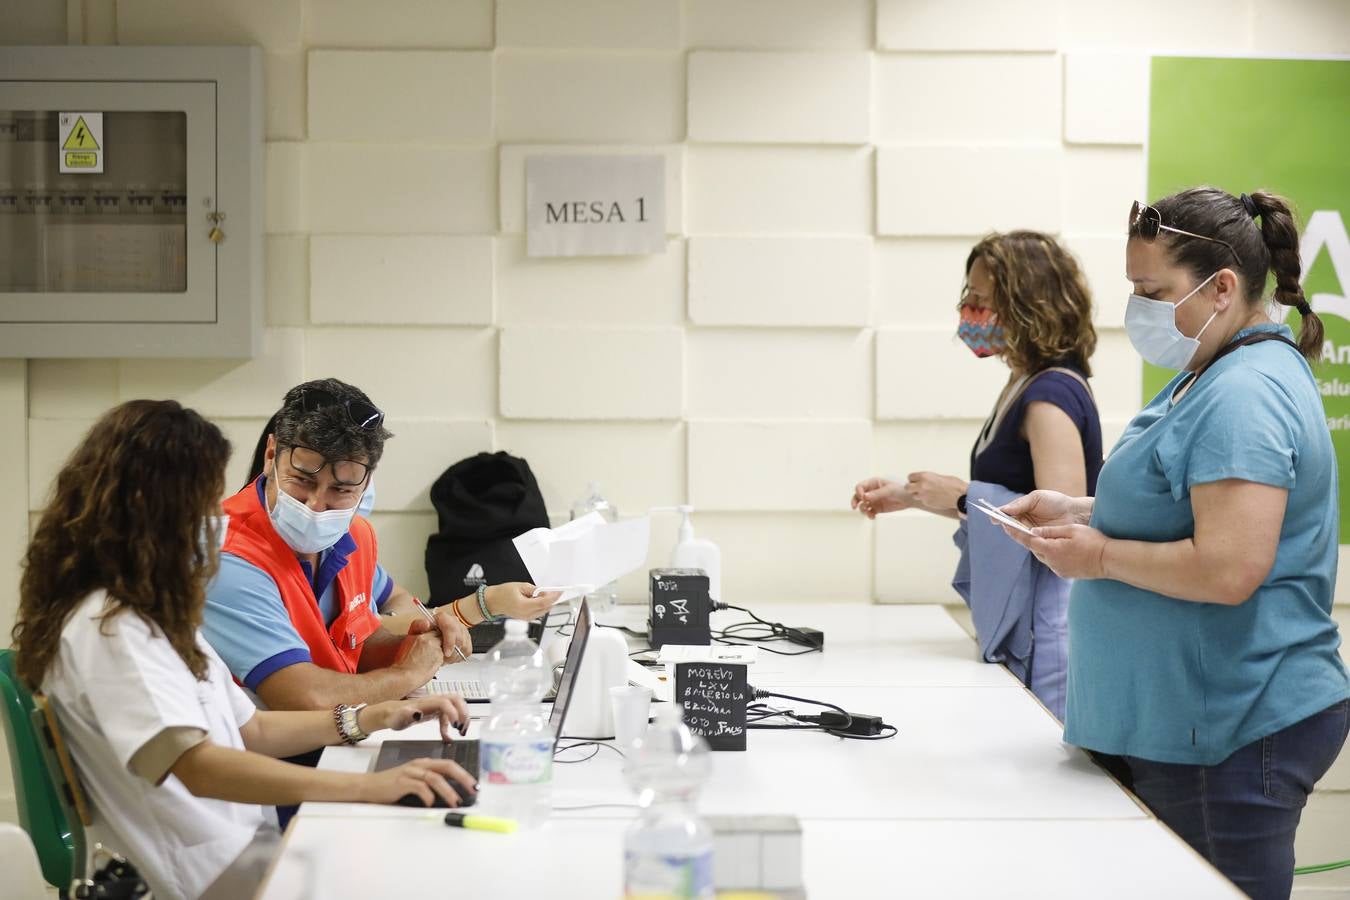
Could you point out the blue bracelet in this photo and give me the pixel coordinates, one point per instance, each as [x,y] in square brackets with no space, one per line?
[483,607]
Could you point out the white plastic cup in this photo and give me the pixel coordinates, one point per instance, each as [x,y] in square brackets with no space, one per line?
[631,705]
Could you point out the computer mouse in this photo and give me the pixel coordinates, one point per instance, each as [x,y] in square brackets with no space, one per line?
[465,798]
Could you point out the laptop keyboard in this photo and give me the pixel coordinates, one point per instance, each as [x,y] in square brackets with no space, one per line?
[469,690]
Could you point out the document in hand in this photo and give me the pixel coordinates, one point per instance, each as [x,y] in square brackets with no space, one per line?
[585,551]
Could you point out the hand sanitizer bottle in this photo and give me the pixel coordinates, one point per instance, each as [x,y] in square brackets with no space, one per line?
[606,596]
[698,553]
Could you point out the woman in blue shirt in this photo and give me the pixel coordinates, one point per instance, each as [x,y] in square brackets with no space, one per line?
[1204,667]
[1026,303]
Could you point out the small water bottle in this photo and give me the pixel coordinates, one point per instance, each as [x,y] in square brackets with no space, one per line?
[516,749]
[606,596]
[668,853]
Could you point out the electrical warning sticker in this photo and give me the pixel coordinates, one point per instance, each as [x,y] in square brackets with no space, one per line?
[80,141]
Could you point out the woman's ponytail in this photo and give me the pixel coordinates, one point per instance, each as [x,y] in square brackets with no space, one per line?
[1280,234]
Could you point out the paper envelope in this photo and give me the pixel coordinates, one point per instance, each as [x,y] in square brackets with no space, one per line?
[585,552]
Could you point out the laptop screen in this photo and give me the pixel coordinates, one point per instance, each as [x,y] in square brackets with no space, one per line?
[581,632]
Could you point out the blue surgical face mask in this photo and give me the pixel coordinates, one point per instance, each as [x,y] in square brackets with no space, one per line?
[1152,327]
[303,529]
[367,504]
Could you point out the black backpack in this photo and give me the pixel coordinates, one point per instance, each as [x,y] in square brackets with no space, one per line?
[482,503]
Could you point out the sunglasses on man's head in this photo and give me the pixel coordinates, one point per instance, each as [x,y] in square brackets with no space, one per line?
[360,413]
[1146,222]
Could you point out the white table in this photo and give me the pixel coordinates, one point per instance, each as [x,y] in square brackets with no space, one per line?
[976,796]
[411,857]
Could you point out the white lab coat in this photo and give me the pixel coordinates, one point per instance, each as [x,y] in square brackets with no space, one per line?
[115,684]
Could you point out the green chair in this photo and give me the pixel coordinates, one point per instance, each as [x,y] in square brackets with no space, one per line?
[42,813]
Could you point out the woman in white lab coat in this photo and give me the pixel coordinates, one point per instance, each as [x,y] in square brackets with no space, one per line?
[177,762]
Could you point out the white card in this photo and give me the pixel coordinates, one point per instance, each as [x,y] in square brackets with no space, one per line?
[999,515]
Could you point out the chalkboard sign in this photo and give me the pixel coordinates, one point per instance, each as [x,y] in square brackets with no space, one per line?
[679,607]
[714,697]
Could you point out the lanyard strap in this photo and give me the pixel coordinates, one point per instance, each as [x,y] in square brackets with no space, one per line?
[1258,337]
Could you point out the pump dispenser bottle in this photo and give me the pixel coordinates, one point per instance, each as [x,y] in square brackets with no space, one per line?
[697,553]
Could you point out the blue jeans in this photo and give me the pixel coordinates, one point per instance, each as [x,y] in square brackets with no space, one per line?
[1242,813]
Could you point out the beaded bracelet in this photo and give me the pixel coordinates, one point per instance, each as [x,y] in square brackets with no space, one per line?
[454,608]
[482,604]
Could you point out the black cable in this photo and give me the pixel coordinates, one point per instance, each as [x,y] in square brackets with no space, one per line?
[848,719]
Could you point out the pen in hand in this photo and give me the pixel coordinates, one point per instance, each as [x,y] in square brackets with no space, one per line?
[432,619]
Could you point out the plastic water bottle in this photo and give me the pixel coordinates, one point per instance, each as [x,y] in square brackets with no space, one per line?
[668,853]
[516,745]
[606,596]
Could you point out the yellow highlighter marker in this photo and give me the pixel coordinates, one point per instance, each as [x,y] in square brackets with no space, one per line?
[480,823]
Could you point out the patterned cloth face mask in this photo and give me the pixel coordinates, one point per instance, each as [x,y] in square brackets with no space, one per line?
[979,330]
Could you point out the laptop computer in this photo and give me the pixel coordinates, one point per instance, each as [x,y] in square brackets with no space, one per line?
[467,678]
[465,752]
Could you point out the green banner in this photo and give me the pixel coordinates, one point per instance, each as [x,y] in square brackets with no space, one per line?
[1281,125]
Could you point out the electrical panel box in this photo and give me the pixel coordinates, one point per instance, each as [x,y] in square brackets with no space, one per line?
[131,201]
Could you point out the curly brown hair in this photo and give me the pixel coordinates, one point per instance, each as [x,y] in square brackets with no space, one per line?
[1040,298]
[126,516]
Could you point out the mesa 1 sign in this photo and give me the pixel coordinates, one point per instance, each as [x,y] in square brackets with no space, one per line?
[595,205]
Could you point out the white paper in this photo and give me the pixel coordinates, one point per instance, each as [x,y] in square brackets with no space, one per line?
[595,205]
[999,515]
[709,653]
[586,551]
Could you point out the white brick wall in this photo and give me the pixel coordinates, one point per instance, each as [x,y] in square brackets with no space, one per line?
[285,173]
[637,464]
[217,387]
[409,24]
[1199,25]
[272,24]
[967,97]
[407,280]
[399,189]
[788,282]
[438,373]
[631,290]
[589,24]
[778,24]
[286,279]
[768,374]
[917,282]
[781,558]
[776,466]
[777,98]
[591,373]
[1301,26]
[778,190]
[912,366]
[962,190]
[284,74]
[406,97]
[1105,98]
[1099,184]
[421,450]
[978,25]
[71,388]
[601,96]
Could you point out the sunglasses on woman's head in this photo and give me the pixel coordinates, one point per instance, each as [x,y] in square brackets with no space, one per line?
[1146,222]
[360,413]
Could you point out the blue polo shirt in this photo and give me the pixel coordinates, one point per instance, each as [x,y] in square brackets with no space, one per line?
[247,623]
[1183,682]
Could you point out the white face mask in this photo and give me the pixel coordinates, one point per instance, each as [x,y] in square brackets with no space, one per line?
[221,524]
[1152,327]
[303,529]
